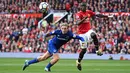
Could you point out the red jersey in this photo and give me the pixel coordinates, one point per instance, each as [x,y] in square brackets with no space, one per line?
[85,26]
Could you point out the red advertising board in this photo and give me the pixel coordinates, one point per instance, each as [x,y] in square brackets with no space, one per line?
[22,15]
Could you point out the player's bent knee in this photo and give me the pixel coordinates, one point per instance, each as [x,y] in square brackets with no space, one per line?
[42,58]
[83,51]
[83,45]
[93,35]
[56,58]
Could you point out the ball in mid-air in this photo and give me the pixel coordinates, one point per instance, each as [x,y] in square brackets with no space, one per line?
[44,6]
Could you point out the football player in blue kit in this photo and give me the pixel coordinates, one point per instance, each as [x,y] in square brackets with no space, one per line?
[62,36]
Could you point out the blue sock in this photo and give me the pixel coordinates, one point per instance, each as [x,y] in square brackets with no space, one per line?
[35,60]
[49,65]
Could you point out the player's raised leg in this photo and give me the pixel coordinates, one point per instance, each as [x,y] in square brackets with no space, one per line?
[96,43]
[36,60]
[95,40]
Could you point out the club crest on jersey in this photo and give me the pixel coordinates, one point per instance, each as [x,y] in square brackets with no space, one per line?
[88,15]
[54,51]
[74,36]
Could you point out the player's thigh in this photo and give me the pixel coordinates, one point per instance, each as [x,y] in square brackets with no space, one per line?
[52,48]
[88,34]
[83,45]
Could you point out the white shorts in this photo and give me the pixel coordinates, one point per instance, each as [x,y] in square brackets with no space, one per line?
[87,38]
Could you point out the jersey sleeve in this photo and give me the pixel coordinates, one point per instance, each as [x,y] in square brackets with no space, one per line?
[74,36]
[78,37]
[91,13]
[54,32]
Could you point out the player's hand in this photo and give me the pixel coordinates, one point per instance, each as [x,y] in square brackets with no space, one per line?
[99,53]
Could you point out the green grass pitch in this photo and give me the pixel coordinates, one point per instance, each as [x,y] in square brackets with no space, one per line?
[14,65]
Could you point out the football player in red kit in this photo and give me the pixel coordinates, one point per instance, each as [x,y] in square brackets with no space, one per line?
[82,19]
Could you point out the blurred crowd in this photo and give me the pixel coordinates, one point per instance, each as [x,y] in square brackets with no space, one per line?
[22,34]
[31,6]
[113,34]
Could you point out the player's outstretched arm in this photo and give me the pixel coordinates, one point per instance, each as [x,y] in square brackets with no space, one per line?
[50,33]
[78,37]
[101,15]
[47,35]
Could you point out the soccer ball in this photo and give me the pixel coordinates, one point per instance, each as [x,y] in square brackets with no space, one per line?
[44,6]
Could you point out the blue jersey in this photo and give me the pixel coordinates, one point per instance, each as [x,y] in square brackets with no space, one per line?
[60,39]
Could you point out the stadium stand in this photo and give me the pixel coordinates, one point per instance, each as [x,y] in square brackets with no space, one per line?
[20,34]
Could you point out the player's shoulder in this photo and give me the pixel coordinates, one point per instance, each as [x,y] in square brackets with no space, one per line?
[79,12]
[58,30]
[89,11]
[70,32]
[55,31]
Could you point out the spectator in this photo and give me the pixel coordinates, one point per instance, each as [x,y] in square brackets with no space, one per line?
[123,50]
[27,48]
[22,35]
[25,30]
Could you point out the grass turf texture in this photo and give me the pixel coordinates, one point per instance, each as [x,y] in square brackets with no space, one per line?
[14,65]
